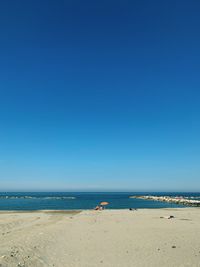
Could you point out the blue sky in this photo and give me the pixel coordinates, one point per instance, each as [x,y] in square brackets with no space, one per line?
[100,95]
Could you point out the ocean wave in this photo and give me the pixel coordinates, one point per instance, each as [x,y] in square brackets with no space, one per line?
[34,197]
[59,197]
[192,197]
[15,197]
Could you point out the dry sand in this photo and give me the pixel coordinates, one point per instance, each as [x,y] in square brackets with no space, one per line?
[117,238]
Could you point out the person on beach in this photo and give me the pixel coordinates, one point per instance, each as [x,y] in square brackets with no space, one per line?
[98,208]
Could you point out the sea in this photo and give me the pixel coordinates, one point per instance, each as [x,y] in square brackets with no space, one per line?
[84,200]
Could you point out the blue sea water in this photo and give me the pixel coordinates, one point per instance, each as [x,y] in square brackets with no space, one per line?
[82,200]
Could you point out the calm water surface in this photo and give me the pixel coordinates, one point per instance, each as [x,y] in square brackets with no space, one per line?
[76,200]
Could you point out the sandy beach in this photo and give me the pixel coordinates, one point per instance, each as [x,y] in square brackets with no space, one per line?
[101,238]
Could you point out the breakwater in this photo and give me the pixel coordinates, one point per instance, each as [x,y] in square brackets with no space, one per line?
[177,200]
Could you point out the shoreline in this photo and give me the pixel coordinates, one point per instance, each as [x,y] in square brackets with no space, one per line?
[38,211]
[98,211]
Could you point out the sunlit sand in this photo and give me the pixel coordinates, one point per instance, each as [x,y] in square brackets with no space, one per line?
[117,238]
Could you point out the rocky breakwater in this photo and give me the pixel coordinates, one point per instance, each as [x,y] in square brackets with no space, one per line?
[176,200]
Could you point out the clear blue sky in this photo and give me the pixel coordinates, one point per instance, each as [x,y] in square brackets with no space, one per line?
[100,95]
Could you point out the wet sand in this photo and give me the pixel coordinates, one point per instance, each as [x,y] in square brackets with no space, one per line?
[117,238]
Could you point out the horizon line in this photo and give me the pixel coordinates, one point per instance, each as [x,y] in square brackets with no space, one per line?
[100,191]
